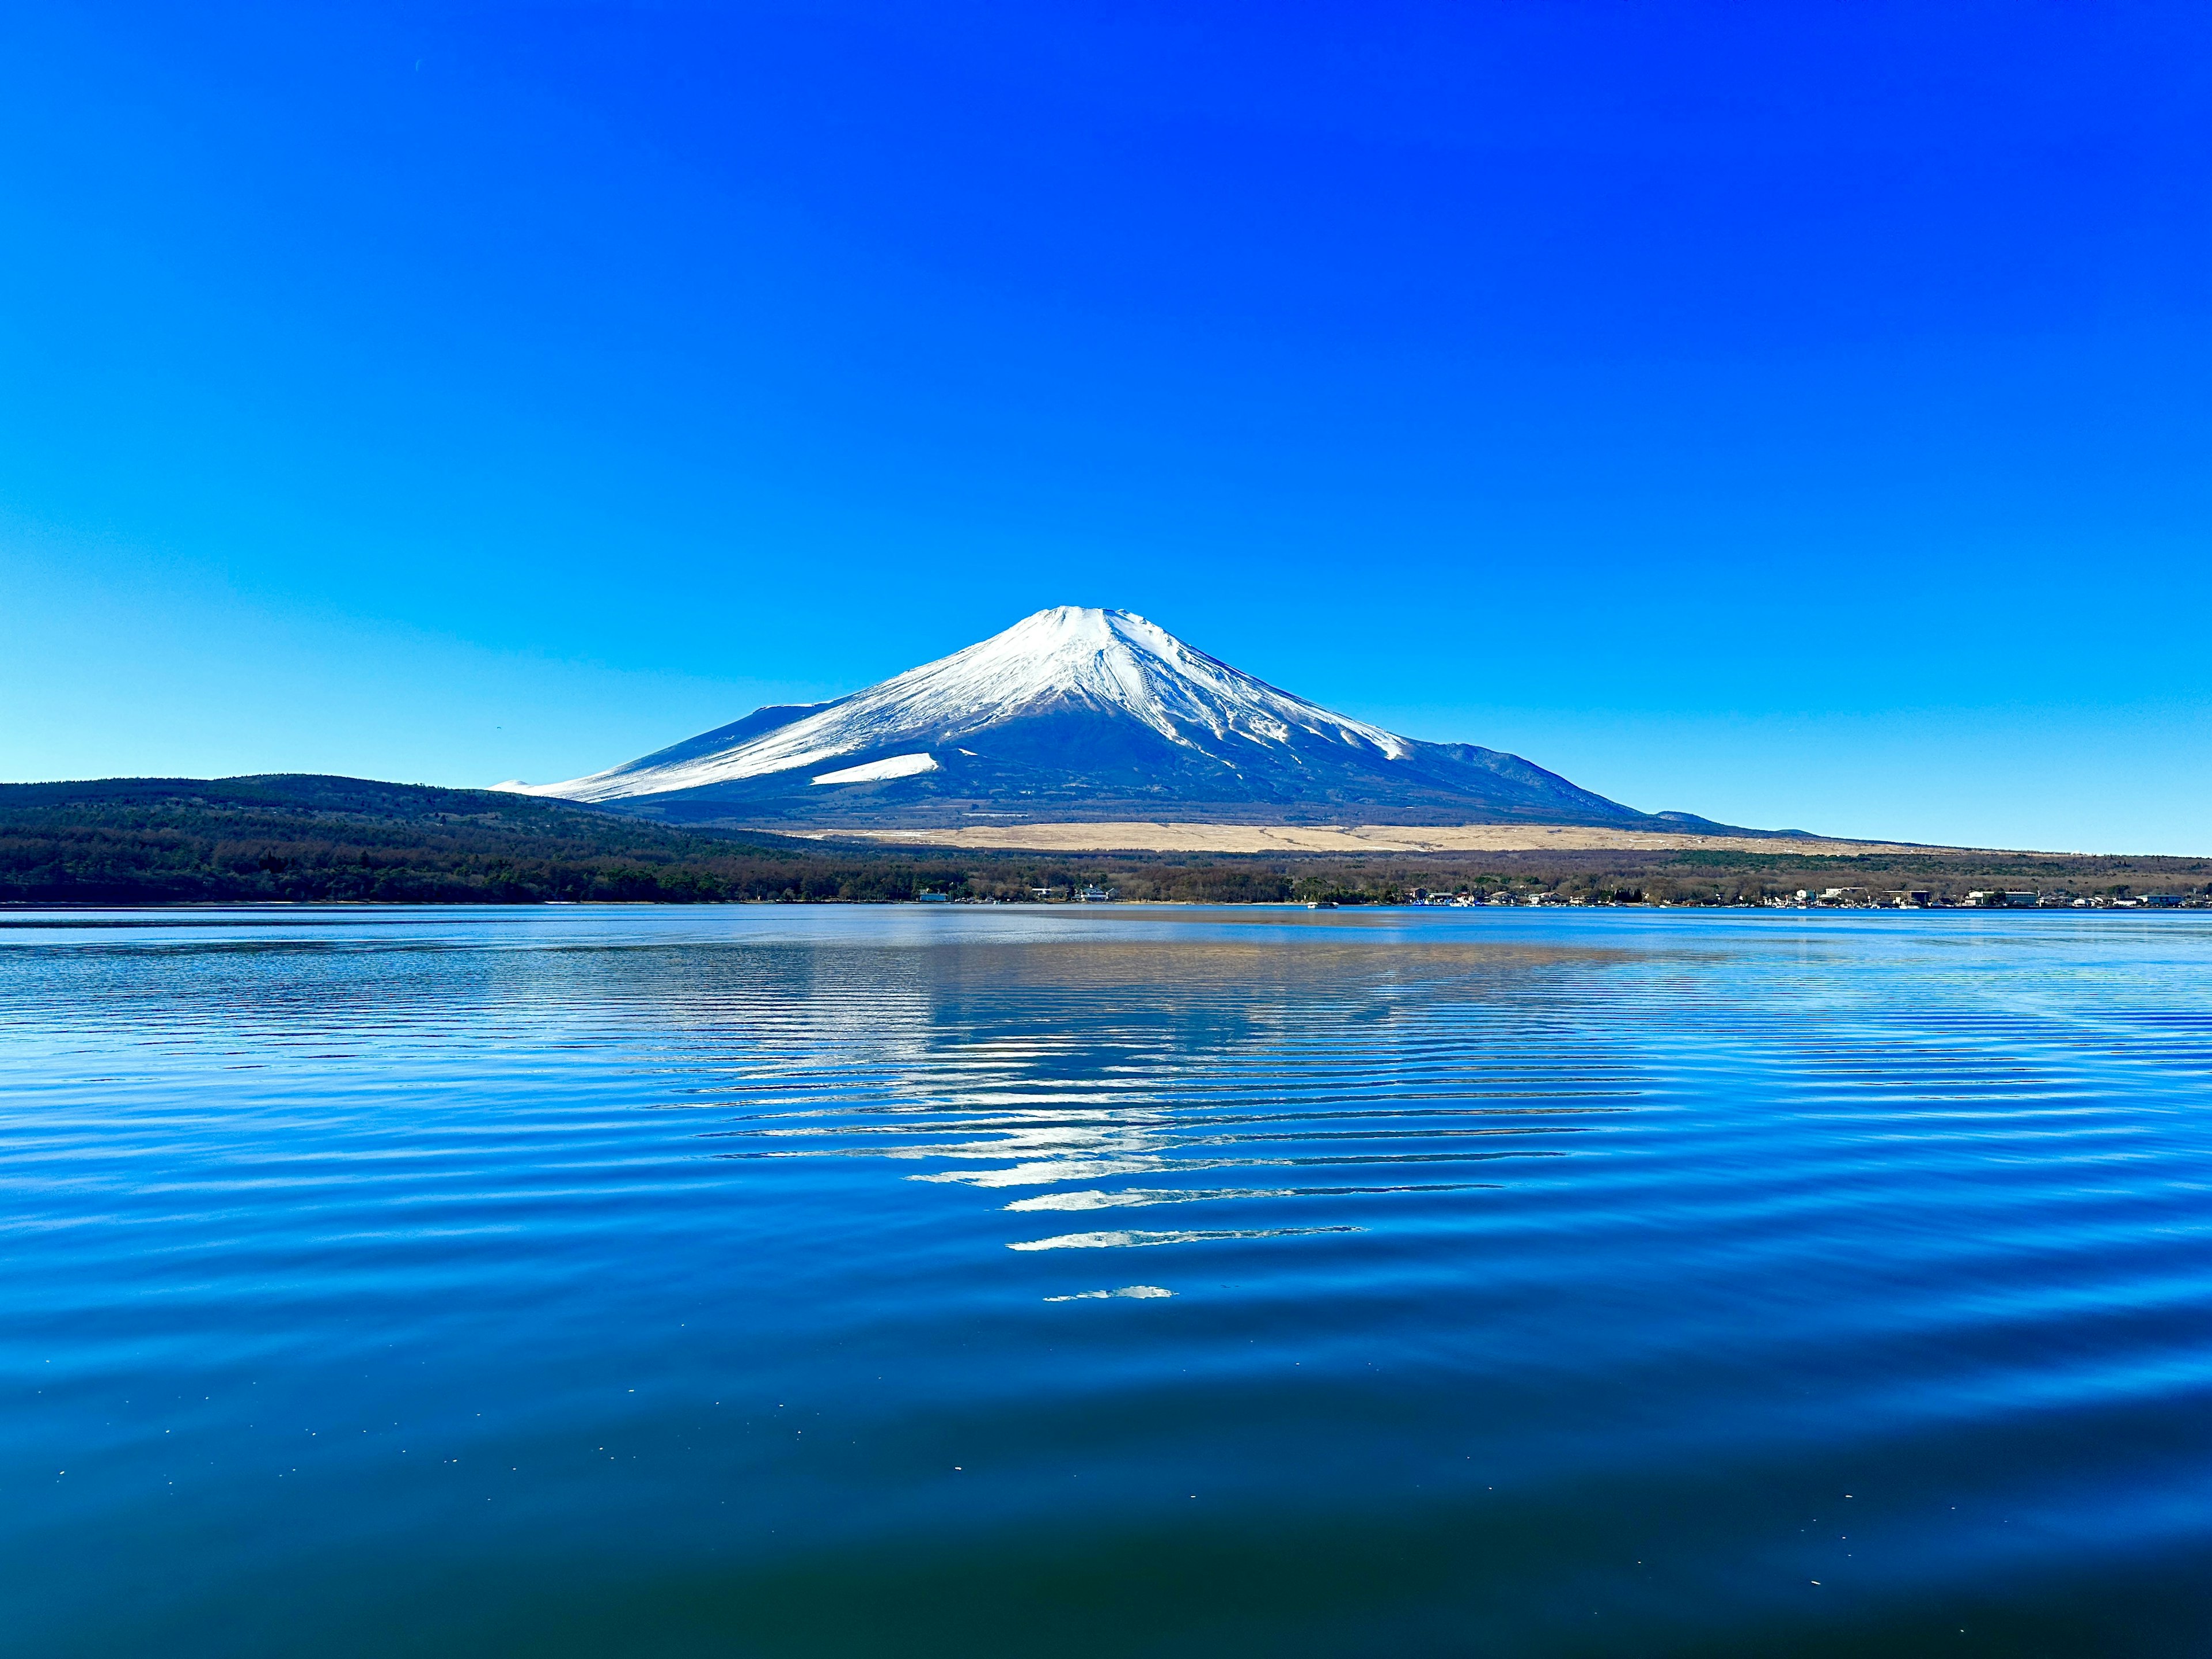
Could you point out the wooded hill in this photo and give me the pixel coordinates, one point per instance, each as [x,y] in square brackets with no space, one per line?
[325,839]
[308,839]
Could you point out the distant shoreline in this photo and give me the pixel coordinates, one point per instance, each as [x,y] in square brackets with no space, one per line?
[321,840]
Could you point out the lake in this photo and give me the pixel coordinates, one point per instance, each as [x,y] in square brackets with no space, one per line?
[1106,1280]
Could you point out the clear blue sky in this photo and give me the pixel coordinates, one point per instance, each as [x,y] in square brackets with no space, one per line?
[1795,414]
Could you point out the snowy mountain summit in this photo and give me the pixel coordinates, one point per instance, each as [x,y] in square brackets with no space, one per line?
[1079,713]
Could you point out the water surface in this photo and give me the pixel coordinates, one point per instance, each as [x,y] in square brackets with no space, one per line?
[824,1281]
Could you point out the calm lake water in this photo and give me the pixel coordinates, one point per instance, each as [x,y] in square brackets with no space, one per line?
[824,1281]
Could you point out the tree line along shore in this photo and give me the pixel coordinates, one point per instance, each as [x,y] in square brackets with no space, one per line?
[319,840]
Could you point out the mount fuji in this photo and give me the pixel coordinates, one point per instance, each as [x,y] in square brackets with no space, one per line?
[1075,714]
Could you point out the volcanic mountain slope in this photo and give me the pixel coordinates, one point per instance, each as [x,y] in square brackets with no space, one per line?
[1081,715]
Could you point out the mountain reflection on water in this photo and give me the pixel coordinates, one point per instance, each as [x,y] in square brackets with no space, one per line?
[1292,1062]
[825,1281]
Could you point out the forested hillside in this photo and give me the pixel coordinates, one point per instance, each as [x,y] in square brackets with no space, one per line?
[312,839]
[306,838]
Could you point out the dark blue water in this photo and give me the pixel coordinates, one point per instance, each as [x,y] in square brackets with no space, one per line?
[825,1281]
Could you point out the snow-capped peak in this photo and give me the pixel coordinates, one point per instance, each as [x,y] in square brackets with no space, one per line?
[1108,661]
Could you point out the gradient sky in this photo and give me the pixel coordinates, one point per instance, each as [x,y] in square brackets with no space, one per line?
[1797,415]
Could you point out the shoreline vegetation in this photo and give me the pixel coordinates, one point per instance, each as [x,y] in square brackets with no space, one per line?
[292,839]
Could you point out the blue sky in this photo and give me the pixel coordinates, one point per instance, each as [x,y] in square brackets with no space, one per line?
[1796,415]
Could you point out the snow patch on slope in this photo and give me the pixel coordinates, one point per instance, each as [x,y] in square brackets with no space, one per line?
[898,766]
